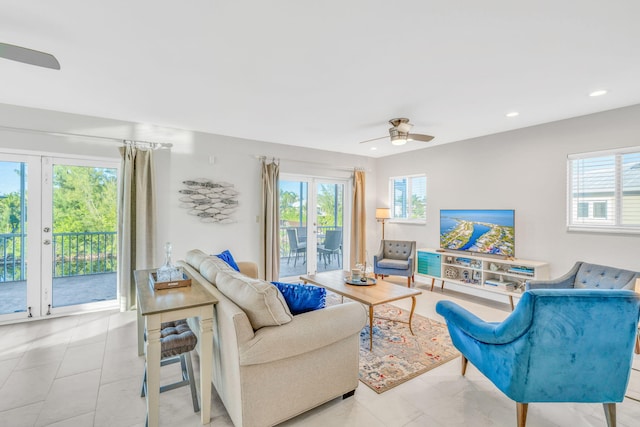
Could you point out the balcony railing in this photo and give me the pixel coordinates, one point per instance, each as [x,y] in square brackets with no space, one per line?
[76,254]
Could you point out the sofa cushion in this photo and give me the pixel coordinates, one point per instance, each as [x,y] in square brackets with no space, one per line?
[260,300]
[210,267]
[195,257]
[302,298]
[228,258]
[397,264]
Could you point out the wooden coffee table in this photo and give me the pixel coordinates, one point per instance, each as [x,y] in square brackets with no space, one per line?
[372,295]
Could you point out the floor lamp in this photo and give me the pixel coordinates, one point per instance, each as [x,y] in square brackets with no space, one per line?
[381,215]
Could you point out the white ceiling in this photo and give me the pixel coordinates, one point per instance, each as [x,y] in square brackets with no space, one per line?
[326,74]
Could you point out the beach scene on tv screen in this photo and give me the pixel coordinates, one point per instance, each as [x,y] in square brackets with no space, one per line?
[483,231]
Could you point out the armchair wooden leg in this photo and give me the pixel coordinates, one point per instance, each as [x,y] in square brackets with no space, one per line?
[610,414]
[521,409]
[638,343]
[409,282]
[464,361]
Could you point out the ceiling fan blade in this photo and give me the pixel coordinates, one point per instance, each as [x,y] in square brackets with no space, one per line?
[374,139]
[419,137]
[28,56]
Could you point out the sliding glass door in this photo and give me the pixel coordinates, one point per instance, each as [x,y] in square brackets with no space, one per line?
[15,280]
[294,226]
[79,234]
[57,235]
[313,237]
[329,223]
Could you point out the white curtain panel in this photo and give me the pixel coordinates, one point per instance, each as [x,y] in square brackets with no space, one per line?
[358,221]
[270,247]
[136,220]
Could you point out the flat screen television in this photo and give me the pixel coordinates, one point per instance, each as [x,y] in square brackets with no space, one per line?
[483,231]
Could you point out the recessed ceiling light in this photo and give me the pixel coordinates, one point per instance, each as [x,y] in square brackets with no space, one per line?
[598,92]
[512,114]
[373,148]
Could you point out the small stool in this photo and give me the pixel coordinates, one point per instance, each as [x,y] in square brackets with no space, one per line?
[177,341]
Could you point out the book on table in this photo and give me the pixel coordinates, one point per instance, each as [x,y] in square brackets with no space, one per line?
[500,284]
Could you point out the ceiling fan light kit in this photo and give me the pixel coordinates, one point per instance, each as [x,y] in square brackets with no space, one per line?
[399,133]
[402,125]
[397,137]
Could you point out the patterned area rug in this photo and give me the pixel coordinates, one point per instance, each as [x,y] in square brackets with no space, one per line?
[398,356]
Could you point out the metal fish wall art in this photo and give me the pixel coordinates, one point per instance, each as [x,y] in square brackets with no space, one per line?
[213,202]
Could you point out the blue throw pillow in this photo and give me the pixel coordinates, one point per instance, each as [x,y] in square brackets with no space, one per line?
[302,298]
[228,258]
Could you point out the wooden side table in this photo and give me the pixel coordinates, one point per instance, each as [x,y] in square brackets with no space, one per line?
[156,307]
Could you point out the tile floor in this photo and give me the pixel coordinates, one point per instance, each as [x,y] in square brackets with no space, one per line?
[84,371]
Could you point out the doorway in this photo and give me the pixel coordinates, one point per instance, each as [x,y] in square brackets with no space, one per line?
[58,222]
[312,239]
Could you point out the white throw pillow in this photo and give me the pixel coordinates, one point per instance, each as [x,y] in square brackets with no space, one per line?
[260,300]
[210,267]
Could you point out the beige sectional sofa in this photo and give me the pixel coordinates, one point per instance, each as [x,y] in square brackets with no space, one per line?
[269,374]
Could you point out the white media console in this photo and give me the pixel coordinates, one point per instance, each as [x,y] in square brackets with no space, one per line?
[490,274]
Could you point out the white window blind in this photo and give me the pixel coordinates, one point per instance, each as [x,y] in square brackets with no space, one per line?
[408,198]
[604,191]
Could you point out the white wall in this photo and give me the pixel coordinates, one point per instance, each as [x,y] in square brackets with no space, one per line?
[235,162]
[523,170]
[28,118]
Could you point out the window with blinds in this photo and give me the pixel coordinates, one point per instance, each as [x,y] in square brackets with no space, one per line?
[604,190]
[408,198]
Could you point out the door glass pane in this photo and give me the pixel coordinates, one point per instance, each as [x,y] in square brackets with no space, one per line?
[330,208]
[84,235]
[293,228]
[13,226]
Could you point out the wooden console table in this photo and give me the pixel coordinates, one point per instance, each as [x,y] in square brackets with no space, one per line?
[168,305]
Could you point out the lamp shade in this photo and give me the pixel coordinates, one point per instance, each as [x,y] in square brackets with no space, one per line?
[383,213]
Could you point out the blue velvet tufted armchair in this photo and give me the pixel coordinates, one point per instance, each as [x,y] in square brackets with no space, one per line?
[592,276]
[396,258]
[558,345]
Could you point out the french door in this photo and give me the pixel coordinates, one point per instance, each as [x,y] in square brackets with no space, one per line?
[314,225]
[57,235]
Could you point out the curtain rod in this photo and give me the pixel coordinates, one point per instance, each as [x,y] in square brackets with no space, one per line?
[326,165]
[145,144]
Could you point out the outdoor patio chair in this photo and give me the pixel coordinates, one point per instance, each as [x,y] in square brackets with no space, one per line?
[296,246]
[332,246]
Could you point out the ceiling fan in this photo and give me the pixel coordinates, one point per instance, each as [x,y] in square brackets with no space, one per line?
[399,133]
[28,56]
